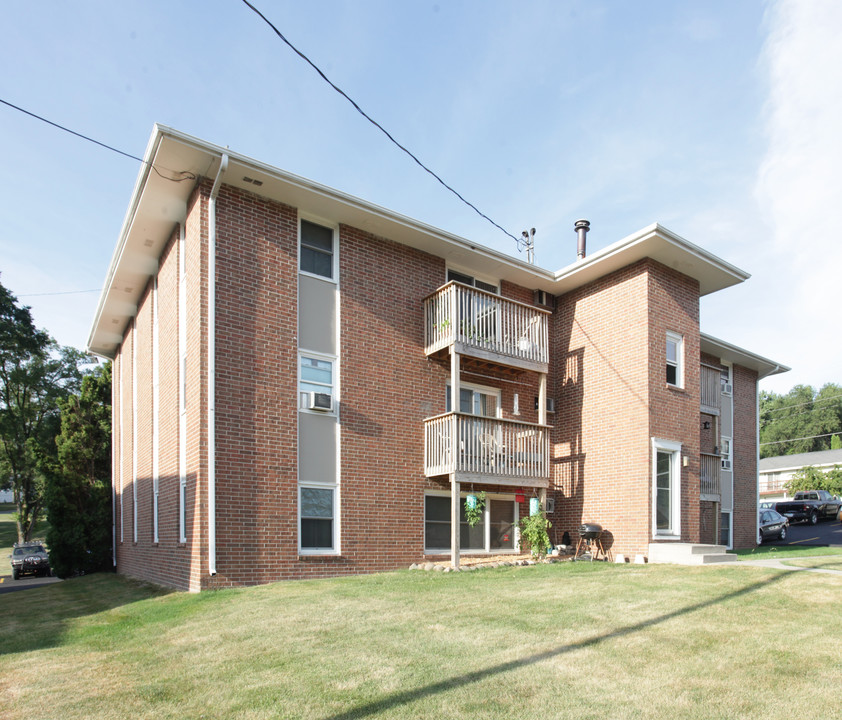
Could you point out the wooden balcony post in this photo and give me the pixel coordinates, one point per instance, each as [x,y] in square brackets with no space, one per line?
[542,399]
[454,522]
[454,381]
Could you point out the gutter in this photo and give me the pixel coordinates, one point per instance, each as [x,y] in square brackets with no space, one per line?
[223,166]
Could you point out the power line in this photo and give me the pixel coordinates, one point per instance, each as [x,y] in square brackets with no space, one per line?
[66,292]
[809,402]
[376,124]
[185,174]
[811,437]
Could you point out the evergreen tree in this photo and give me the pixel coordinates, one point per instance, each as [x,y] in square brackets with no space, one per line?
[78,488]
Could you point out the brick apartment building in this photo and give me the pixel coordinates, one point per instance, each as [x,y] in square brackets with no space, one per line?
[308,385]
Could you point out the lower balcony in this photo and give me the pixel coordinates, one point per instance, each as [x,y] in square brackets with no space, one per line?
[710,488]
[487,450]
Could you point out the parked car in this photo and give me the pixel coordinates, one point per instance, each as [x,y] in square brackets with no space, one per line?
[810,506]
[772,525]
[29,558]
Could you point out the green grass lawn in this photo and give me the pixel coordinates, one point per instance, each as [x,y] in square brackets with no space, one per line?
[784,552]
[833,562]
[551,641]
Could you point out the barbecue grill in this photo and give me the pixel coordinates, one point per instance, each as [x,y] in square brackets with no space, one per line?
[590,543]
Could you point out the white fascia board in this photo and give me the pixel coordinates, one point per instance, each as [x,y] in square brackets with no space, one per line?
[662,245]
[731,353]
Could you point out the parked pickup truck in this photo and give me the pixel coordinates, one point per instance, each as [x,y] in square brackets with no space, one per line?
[810,506]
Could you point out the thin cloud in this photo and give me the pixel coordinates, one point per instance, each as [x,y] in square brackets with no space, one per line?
[799,184]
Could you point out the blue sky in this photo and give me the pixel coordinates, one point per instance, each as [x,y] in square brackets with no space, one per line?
[720,120]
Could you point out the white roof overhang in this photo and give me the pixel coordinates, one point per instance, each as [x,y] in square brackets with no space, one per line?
[737,355]
[161,192]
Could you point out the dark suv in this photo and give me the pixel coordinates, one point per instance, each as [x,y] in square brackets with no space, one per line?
[29,558]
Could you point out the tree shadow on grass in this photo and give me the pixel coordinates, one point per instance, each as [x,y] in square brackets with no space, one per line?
[409,696]
[39,618]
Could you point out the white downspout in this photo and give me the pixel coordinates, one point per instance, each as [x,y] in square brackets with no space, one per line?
[223,166]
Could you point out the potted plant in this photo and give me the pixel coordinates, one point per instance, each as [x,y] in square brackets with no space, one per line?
[534,535]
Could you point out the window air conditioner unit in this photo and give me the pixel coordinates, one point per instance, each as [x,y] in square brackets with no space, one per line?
[544,298]
[319,401]
[727,388]
[726,464]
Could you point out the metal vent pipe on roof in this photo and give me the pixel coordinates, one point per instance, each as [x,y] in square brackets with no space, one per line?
[581,227]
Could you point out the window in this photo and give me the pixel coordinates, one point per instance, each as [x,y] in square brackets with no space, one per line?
[476,400]
[666,488]
[725,380]
[675,364]
[725,453]
[316,376]
[316,249]
[725,529]
[472,281]
[494,533]
[317,531]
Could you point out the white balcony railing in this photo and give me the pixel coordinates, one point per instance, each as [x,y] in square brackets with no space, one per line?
[487,325]
[471,445]
[709,474]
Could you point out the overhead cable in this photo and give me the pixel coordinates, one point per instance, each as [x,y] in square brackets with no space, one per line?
[184,174]
[376,124]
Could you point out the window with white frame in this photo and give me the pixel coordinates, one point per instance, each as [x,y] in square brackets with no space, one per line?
[316,382]
[675,359]
[725,528]
[725,453]
[476,400]
[317,518]
[472,281]
[726,379]
[666,488]
[494,533]
[317,250]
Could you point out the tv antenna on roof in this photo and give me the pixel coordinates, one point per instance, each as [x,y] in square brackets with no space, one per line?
[528,243]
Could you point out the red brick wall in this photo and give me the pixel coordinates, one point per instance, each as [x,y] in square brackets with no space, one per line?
[388,388]
[675,413]
[168,562]
[744,454]
[599,376]
[256,376]
[606,376]
[608,355]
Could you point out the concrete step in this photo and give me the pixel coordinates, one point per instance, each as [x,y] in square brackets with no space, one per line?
[689,553]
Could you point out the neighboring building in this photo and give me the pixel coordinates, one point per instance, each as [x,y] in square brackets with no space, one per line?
[308,385]
[775,472]
[7,496]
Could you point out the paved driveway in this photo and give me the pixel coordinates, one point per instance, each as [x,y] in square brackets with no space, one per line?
[9,584]
[823,533]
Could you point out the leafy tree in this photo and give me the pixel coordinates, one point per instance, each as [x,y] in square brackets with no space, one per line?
[78,489]
[811,478]
[836,442]
[34,374]
[801,421]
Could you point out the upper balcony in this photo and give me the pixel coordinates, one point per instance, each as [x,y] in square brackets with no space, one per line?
[483,325]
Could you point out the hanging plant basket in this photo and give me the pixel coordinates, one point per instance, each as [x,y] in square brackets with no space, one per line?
[474,506]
